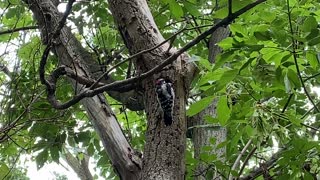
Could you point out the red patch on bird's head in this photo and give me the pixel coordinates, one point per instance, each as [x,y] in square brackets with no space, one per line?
[159,81]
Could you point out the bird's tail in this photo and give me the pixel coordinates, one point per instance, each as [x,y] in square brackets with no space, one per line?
[167,116]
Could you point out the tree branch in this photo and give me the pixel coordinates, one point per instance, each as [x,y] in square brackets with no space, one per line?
[51,39]
[5,69]
[237,161]
[269,164]
[294,52]
[71,53]
[120,84]
[18,29]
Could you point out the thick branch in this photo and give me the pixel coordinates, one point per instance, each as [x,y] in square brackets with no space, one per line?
[73,55]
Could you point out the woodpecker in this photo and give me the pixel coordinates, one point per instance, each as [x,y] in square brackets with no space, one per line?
[165,96]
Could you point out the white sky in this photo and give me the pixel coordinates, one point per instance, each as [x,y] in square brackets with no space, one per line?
[46,172]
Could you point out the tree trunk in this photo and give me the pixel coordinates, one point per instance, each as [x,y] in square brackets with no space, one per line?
[72,54]
[165,145]
[202,134]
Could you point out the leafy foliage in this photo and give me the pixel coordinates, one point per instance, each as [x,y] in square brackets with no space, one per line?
[268,64]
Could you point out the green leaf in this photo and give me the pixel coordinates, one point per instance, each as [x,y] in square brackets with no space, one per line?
[312,59]
[41,158]
[222,144]
[210,119]
[221,13]
[226,43]
[83,137]
[294,118]
[263,36]
[314,41]
[12,12]
[308,176]
[314,33]
[203,63]
[239,28]
[80,156]
[309,24]
[293,77]
[4,170]
[210,77]
[251,132]
[225,78]
[192,8]
[90,149]
[199,106]
[246,64]
[223,110]
[54,152]
[287,84]
[228,76]
[175,9]
[44,130]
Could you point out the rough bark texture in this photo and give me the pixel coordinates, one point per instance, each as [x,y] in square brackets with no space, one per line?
[72,54]
[165,145]
[220,34]
[201,136]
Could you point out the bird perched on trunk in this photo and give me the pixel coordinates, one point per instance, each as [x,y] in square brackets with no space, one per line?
[165,92]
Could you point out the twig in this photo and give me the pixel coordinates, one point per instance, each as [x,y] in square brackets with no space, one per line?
[296,60]
[199,30]
[246,161]
[311,127]
[14,142]
[14,163]
[269,164]
[305,114]
[18,29]
[142,52]
[135,55]
[287,103]
[229,7]
[313,76]
[236,163]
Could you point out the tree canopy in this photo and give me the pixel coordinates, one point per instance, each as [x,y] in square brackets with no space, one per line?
[264,82]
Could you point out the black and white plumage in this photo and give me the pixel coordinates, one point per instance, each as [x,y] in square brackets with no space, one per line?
[165,94]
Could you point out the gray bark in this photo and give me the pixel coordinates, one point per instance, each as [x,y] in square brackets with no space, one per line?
[165,145]
[220,34]
[72,54]
[203,132]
